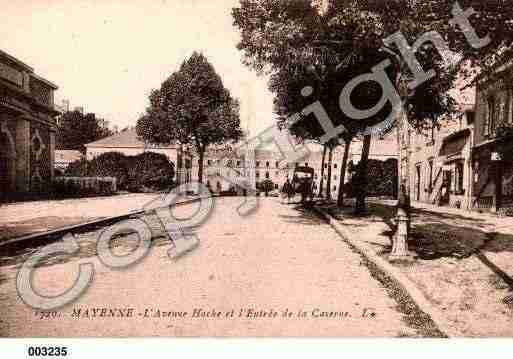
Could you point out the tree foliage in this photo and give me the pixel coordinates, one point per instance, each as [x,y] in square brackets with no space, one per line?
[147,171]
[299,46]
[192,107]
[75,130]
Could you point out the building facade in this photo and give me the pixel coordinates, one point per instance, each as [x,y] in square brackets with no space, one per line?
[440,161]
[63,158]
[493,177]
[226,168]
[236,167]
[128,143]
[27,128]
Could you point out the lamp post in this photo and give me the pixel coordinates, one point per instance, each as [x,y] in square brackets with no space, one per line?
[496,159]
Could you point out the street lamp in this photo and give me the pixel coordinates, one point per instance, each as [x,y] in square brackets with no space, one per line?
[496,159]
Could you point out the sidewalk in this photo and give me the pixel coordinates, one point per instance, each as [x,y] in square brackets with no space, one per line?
[460,255]
[24,218]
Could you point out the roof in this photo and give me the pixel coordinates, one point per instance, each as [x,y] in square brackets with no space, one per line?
[67,155]
[16,61]
[45,81]
[124,139]
[24,66]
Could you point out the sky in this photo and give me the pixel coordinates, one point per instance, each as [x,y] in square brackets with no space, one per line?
[107,55]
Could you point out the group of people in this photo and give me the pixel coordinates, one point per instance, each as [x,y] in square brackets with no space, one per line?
[289,190]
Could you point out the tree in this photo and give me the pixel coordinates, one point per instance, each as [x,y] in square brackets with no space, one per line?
[321,186]
[343,170]
[75,130]
[277,34]
[297,45]
[192,107]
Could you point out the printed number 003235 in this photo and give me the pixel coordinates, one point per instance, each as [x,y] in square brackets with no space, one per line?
[40,352]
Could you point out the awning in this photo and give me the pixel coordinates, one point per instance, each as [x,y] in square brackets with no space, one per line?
[454,144]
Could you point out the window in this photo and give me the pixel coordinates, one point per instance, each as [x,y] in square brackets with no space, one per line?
[491,117]
[257,163]
[335,166]
[238,163]
[267,164]
[267,176]
[306,164]
[334,188]
[276,186]
[430,189]
[325,165]
[277,164]
[257,174]
[335,177]
[471,116]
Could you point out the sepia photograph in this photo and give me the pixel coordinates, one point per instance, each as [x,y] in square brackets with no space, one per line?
[255,169]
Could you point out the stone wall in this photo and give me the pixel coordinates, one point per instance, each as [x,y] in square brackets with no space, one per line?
[40,157]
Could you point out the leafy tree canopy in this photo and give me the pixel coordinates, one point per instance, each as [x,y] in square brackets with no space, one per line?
[192,107]
[76,130]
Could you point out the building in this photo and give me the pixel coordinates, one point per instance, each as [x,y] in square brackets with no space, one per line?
[128,143]
[227,167]
[441,161]
[493,176]
[27,128]
[63,158]
[224,167]
[382,149]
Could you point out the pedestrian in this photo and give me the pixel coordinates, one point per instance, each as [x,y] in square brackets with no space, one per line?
[291,192]
[285,190]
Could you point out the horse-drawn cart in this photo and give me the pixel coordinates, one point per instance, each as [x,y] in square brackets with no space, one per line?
[303,183]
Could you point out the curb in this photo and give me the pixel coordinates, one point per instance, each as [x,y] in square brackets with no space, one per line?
[96,222]
[395,276]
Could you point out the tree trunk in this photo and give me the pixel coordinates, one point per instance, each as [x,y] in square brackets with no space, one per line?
[200,164]
[328,183]
[361,191]
[342,183]
[404,200]
[321,186]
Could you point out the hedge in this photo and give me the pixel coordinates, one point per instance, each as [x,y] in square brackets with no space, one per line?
[142,173]
[382,179]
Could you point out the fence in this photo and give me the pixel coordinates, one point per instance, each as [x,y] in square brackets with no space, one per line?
[87,185]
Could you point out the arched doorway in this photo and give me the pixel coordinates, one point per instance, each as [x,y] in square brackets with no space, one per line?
[7,162]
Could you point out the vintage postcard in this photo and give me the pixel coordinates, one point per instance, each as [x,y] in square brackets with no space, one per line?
[256,168]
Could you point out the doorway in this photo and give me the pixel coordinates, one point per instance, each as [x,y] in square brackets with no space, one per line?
[7,164]
[418,181]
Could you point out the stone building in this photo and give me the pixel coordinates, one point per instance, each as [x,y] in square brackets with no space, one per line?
[441,161]
[128,143]
[27,128]
[226,167]
[63,158]
[493,175]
